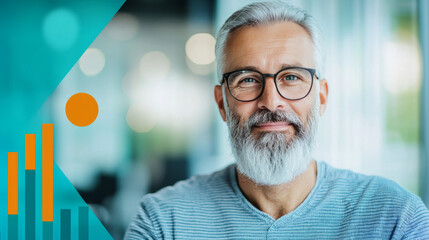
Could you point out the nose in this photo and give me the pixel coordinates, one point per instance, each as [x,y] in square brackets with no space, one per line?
[271,98]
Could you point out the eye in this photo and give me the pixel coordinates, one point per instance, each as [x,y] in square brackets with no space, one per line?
[249,80]
[291,78]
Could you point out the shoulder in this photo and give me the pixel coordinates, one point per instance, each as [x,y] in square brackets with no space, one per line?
[372,197]
[192,189]
[370,186]
[190,196]
[178,204]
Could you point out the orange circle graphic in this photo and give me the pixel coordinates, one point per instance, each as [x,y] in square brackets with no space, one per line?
[81,109]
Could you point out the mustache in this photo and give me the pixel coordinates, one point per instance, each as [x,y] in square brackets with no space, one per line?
[266,116]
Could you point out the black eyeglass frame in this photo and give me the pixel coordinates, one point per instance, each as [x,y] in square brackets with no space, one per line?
[312,71]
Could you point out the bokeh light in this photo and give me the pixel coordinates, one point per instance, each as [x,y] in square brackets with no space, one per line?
[154,65]
[402,67]
[132,84]
[182,98]
[60,28]
[200,48]
[124,26]
[140,118]
[92,62]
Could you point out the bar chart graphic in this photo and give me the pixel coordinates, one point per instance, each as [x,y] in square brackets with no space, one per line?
[35,215]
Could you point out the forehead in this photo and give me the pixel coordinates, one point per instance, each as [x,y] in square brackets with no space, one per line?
[268,47]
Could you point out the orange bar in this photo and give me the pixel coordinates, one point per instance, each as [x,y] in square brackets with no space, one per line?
[47,172]
[12,183]
[30,152]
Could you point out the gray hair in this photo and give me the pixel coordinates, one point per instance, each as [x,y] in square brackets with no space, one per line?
[262,13]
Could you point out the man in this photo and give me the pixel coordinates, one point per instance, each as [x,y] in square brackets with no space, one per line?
[271,95]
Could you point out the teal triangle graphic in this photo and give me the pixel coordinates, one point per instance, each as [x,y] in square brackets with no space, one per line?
[40,42]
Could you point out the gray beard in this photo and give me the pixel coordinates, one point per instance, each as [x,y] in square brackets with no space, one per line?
[269,158]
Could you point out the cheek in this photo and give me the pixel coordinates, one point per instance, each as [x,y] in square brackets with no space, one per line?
[303,108]
[243,109]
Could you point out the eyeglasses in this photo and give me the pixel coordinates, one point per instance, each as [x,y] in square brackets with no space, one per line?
[292,83]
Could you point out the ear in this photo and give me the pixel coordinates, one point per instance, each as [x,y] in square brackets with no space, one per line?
[324,90]
[219,100]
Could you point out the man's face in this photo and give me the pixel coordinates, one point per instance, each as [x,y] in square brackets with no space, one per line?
[268,49]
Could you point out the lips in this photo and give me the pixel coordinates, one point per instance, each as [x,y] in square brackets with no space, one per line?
[273,126]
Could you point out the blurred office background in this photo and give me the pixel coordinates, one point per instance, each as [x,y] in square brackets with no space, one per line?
[152,71]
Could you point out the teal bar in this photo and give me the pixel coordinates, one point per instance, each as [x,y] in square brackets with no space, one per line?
[12,226]
[30,206]
[65,224]
[48,230]
[83,223]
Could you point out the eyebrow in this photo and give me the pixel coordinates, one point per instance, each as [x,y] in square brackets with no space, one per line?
[253,68]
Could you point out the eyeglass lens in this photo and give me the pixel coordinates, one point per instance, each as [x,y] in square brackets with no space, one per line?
[294,83]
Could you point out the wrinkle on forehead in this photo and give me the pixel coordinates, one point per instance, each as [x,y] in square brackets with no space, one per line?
[269,46]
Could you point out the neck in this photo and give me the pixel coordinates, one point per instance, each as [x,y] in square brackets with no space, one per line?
[278,200]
